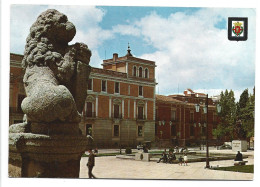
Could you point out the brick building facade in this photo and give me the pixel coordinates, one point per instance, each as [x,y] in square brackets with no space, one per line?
[178,122]
[16,91]
[120,106]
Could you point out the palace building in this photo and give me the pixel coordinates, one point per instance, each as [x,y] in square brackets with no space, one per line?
[120,105]
[122,109]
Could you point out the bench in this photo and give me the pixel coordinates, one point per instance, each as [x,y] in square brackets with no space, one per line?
[240,163]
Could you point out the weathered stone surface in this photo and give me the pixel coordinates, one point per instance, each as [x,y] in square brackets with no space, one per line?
[39,155]
[56,74]
[49,142]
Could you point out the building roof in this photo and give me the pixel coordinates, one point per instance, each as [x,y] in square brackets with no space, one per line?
[108,72]
[16,57]
[164,98]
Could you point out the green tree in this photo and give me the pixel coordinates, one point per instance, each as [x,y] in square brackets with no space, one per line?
[227,116]
[247,116]
[242,103]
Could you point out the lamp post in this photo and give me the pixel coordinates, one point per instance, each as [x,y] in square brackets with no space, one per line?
[197,106]
[207,134]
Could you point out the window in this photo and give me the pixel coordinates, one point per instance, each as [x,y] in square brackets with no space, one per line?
[140,72]
[140,91]
[140,112]
[203,130]
[140,131]
[90,84]
[116,130]
[89,129]
[173,115]
[191,130]
[89,109]
[116,111]
[203,118]
[146,74]
[104,85]
[134,71]
[191,117]
[173,130]
[156,115]
[116,87]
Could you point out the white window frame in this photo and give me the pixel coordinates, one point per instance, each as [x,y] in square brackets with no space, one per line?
[142,131]
[139,91]
[101,86]
[91,85]
[139,71]
[147,73]
[136,75]
[118,88]
[113,132]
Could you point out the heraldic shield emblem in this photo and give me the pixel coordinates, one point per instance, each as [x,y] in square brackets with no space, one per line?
[237,28]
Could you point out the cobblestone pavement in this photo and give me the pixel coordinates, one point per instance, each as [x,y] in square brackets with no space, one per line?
[112,167]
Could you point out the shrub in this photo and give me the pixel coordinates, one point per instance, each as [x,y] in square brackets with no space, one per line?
[128,150]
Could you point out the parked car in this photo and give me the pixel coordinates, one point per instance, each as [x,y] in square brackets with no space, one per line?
[225,146]
[139,147]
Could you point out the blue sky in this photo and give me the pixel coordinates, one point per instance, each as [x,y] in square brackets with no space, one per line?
[189,45]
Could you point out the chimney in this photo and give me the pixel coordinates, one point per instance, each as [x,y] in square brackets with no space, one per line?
[115,57]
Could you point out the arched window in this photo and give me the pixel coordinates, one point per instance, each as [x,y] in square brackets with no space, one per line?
[146,73]
[134,71]
[140,72]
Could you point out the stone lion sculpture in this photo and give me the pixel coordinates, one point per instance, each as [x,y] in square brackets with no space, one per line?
[56,73]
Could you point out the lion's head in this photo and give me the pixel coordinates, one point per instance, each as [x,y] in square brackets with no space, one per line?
[48,39]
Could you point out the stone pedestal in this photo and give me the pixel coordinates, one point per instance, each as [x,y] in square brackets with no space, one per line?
[55,153]
[239,145]
[142,156]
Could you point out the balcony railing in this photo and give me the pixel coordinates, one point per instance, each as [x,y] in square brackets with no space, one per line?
[141,117]
[174,119]
[15,110]
[116,116]
[90,115]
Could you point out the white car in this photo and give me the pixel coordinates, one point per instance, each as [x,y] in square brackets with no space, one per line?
[139,147]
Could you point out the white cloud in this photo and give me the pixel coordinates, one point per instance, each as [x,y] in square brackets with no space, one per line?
[126,30]
[85,18]
[193,52]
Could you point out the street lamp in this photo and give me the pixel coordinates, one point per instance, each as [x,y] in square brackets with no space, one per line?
[218,108]
[197,108]
[205,109]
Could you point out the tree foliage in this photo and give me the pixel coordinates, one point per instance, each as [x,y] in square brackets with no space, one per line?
[227,115]
[232,112]
[247,116]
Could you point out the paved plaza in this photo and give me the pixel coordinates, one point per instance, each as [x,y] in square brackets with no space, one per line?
[112,167]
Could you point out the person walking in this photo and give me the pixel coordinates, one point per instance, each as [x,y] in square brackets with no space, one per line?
[185,158]
[91,163]
[180,160]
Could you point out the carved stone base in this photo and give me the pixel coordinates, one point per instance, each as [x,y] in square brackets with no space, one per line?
[41,155]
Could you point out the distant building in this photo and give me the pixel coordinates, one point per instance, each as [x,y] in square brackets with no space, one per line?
[120,106]
[178,122]
[17,92]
